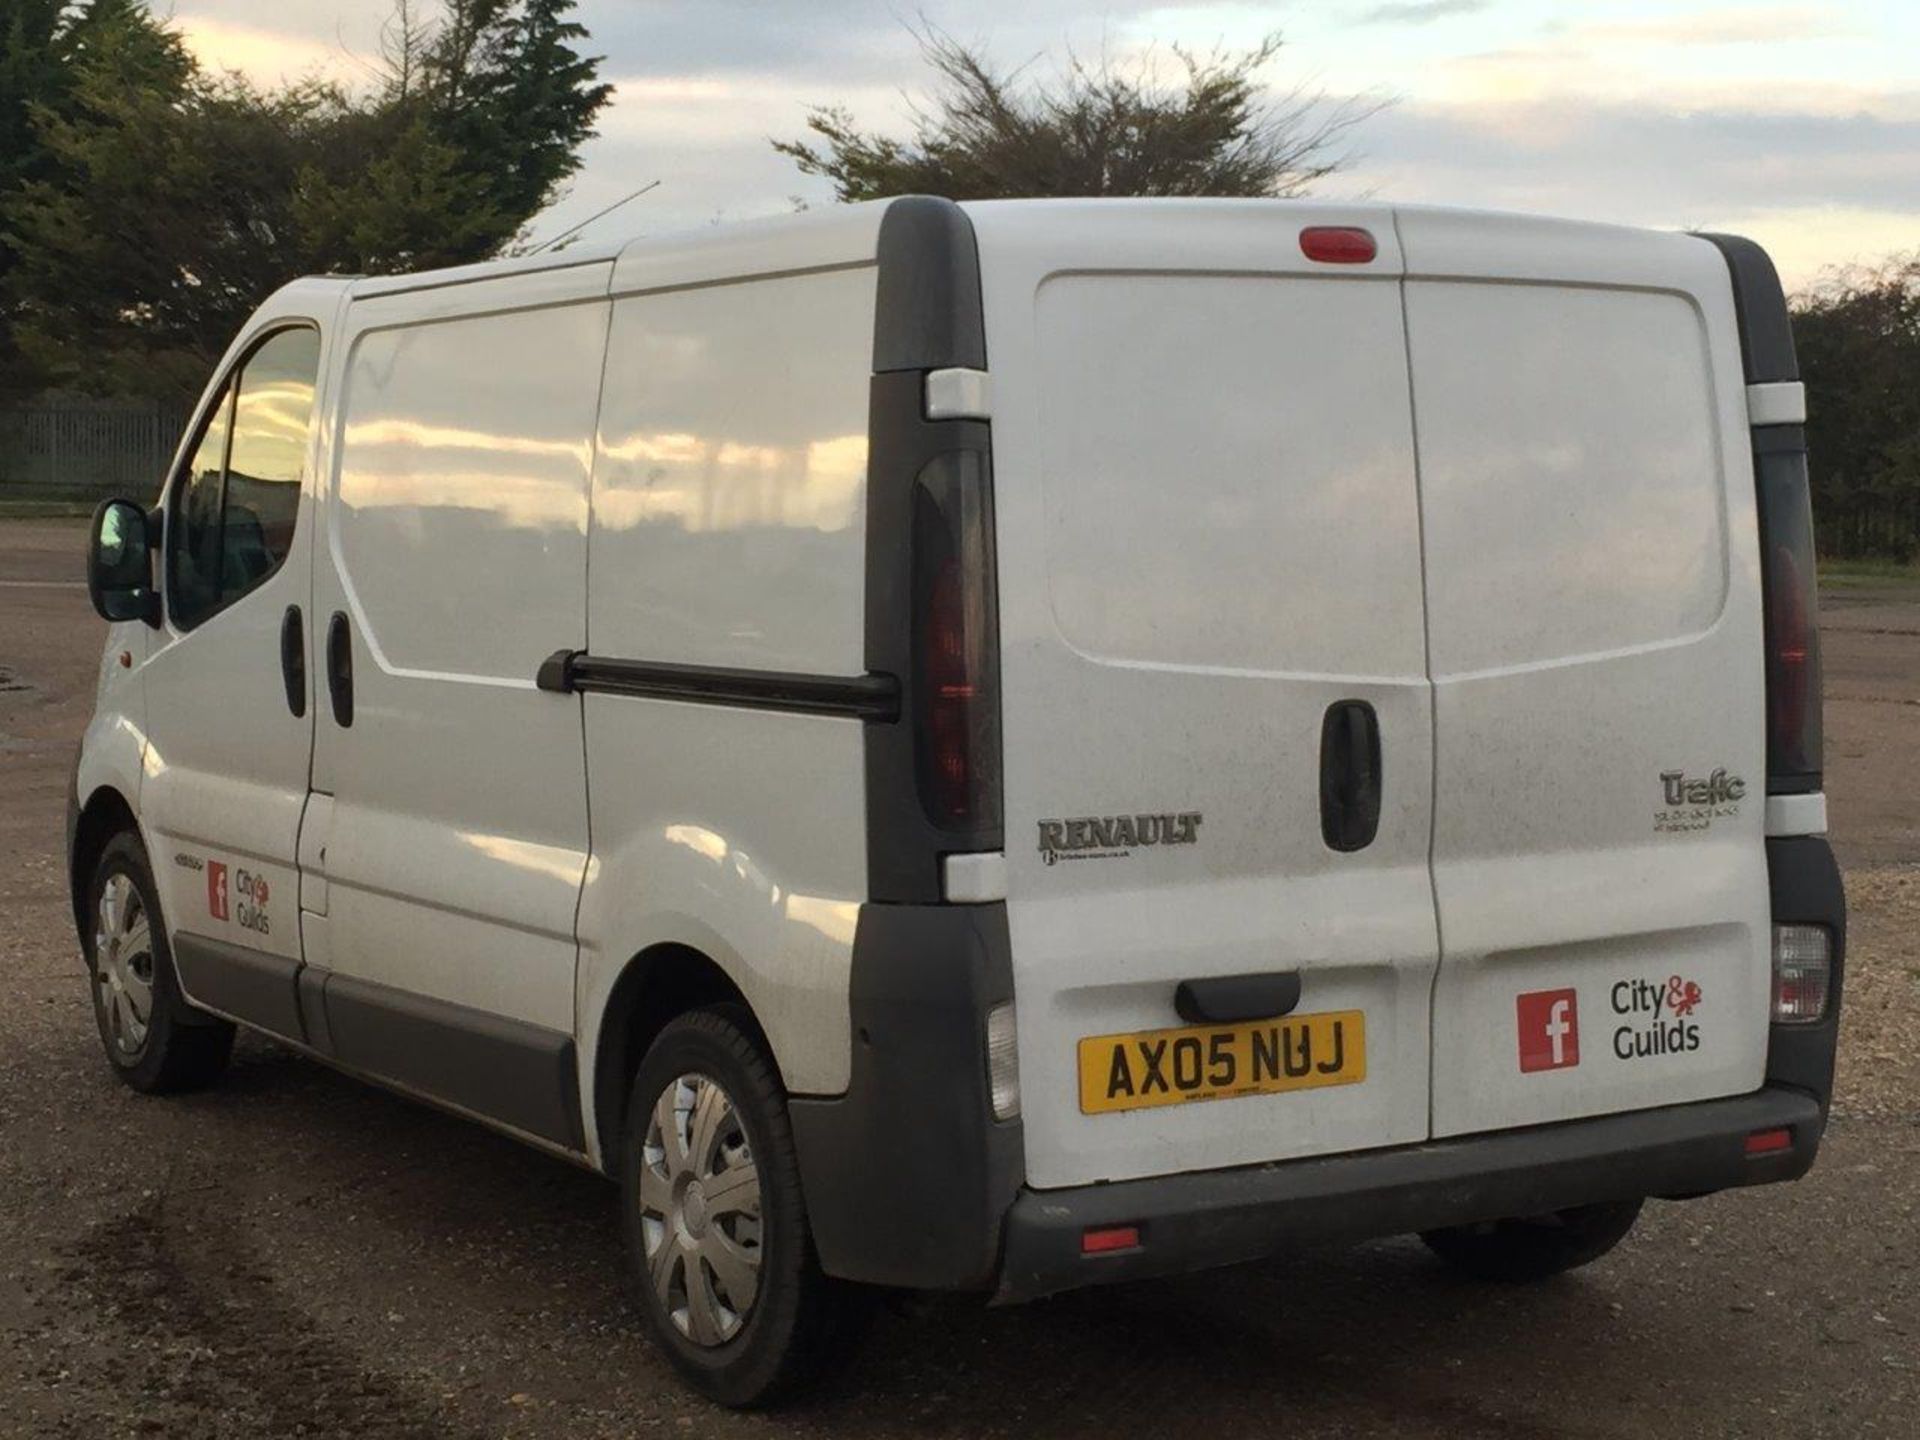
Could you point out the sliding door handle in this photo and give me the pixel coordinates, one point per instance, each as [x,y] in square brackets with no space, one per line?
[340,669]
[293,660]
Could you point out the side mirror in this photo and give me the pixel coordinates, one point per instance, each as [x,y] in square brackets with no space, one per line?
[120,563]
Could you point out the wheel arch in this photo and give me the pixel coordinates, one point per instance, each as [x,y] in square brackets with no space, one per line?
[105,814]
[658,984]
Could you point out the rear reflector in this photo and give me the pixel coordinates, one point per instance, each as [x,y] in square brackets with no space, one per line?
[1003,1060]
[1110,1238]
[1769,1142]
[1802,973]
[1338,244]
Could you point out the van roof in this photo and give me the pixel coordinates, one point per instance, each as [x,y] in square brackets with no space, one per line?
[848,234]
[783,242]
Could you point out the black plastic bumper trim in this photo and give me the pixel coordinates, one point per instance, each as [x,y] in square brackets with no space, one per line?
[1804,883]
[856,697]
[1223,1217]
[908,1175]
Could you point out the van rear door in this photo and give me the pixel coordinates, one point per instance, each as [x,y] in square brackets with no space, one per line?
[1209,581]
[1594,614]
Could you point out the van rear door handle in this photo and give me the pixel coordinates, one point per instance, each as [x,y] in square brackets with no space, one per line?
[1229,999]
[293,660]
[340,669]
[1349,775]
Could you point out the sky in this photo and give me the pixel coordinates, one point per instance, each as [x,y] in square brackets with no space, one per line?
[1795,123]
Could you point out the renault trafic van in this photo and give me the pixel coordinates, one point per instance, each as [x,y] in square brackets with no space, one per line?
[999,747]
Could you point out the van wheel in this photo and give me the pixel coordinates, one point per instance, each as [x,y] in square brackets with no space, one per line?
[155,1041]
[716,1225]
[1538,1247]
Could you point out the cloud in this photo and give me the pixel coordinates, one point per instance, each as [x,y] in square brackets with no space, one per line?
[1815,187]
[268,56]
[1733,25]
[1421,12]
[1792,121]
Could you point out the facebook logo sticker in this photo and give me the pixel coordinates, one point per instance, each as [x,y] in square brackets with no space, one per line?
[216,890]
[1549,1030]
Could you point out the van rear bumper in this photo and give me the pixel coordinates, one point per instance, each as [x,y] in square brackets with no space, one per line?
[1222,1217]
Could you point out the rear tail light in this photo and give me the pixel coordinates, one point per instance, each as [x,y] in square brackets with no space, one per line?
[1802,973]
[1003,1061]
[956,647]
[1793,638]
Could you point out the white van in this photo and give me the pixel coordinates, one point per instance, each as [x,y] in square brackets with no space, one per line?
[1000,747]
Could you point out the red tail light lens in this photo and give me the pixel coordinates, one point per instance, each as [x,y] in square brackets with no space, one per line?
[1794,741]
[956,644]
[1792,647]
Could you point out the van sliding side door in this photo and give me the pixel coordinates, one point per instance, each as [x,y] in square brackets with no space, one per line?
[455,790]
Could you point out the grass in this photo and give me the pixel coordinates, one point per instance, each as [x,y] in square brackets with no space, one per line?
[1855,574]
[11,509]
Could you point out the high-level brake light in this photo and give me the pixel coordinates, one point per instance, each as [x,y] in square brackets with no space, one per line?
[1338,244]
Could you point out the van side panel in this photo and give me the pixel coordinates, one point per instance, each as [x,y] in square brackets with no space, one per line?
[1594,612]
[729,531]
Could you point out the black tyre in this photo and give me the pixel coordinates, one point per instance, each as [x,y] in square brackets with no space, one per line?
[716,1225]
[155,1041]
[1533,1249]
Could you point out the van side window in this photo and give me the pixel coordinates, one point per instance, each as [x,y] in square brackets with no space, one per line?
[193,539]
[240,494]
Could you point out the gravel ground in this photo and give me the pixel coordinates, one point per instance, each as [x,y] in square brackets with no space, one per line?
[297,1254]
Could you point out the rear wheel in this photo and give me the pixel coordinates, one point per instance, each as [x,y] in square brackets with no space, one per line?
[156,1042]
[1537,1247]
[716,1225]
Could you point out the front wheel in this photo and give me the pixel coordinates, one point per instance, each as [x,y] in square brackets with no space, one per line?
[155,1041]
[716,1225]
[1537,1247]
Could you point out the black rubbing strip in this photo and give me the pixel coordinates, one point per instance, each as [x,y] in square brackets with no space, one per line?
[248,984]
[506,1070]
[857,697]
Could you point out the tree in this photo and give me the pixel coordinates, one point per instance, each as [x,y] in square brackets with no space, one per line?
[1857,333]
[46,47]
[168,207]
[1102,129]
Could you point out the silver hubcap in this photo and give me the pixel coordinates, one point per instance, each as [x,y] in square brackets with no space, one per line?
[123,965]
[700,1211]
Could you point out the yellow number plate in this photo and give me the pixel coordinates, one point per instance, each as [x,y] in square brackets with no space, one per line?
[1217,1062]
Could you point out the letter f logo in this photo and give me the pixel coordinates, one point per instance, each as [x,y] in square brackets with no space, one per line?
[1558,1029]
[1549,1022]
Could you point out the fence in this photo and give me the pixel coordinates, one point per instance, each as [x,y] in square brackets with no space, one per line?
[80,451]
[1868,525]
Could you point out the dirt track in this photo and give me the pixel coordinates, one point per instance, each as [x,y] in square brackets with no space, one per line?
[297,1254]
